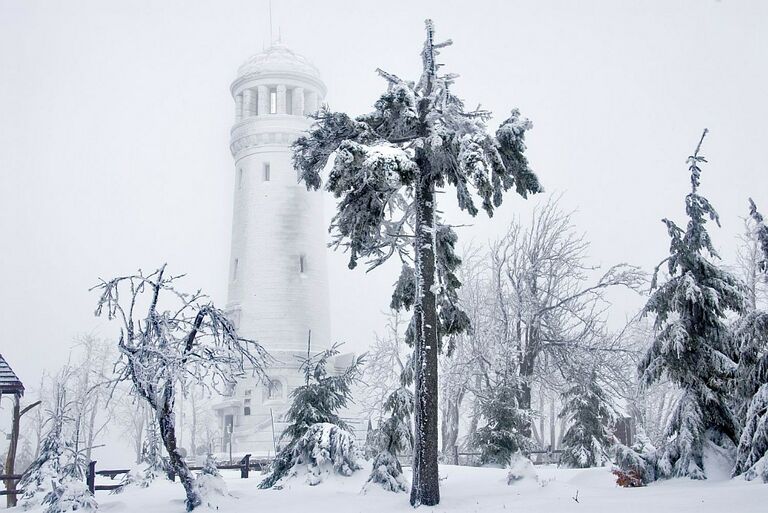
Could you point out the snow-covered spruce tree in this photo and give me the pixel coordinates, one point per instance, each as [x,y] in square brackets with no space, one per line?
[70,492]
[394,437]
[387,167]
[503,434]
[209,483]
[181,341]
[751,339]
[317,401]
[691,343]
[590,416]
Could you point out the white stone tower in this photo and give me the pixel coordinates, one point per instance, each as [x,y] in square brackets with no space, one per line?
[278,282]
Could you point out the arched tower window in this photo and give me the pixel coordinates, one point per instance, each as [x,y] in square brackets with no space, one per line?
[274,390]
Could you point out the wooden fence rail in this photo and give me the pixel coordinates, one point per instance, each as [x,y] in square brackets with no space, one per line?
[8,479]
[245,466]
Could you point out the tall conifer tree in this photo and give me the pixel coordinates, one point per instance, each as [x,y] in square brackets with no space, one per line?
[387,168]
[691,344]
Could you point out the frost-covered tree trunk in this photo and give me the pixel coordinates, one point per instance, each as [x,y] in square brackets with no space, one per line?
[425,487]
[166,419]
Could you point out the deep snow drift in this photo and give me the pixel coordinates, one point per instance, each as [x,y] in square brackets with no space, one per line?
[463,489]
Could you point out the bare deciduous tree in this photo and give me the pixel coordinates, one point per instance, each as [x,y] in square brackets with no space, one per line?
[180,340]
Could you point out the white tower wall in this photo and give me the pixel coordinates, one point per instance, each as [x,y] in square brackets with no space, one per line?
[278,288]
[278,281]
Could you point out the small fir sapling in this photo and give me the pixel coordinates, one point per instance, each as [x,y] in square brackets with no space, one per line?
[588,438]
[503,436]
[635,465]
[394,437]
[316,402]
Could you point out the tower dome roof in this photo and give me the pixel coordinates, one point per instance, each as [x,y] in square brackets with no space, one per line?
[275,59]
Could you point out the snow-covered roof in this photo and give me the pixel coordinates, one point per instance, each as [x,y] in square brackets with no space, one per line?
[278,58]
[9,382]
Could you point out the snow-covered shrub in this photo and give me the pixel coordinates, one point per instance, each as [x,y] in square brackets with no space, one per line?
[636,463]
[209,467]
[70,494]
[209,483]
[387,473]
[521,468]
[325,449]
[314,403]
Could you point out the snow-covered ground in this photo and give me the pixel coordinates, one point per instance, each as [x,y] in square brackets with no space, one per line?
[464,490]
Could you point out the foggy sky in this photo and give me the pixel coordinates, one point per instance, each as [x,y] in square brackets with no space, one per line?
[115,118]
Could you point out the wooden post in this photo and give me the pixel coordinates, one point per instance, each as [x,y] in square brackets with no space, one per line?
[245,466]
[10,459]
[91,477]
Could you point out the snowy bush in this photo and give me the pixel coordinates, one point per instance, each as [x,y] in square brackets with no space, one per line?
[70,494]
[521,468]
[324,450]
[209,483]
[636,463]
[387,473]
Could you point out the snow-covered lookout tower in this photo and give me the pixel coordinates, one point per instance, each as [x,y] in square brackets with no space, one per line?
[278,282]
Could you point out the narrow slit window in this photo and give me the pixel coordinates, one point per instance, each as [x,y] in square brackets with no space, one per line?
[240,178]
[234,269]
[302,264]
[266,171]
[273,101]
